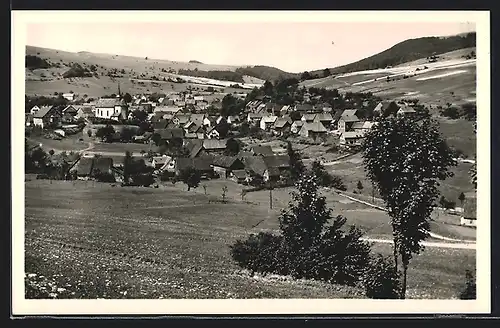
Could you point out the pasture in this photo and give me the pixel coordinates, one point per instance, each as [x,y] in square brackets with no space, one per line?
[94,240]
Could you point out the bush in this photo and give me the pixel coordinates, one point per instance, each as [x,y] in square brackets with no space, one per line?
[381,279]
[469,290]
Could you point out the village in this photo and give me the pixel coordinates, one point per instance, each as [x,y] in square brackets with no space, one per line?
[183,119]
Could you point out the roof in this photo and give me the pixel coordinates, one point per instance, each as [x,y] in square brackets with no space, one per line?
[470,205]
[224,161]
[324,117]
[44,110]
[198,163]
[303,107]
[161,159]
[240,174]
[103,164]
[183,118]
[170,133]
[109,102]
[314,127]
[242,154]
[263,150]
[84,166]
[281,122]
[273,171]
[277,161]
[298,123]
[167,109]
[308,117]
[269,119]
[255,164]
[212,144]
[255,115]
[406,109]
[349,115]
[382,106]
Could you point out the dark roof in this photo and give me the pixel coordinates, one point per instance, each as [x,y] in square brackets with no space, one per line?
[214,144]
[282,122]
[225,161]
[255,164]
[194,146]
[277,161]
[84,166]
[160,124]
[303,107]
[349,115]
[263,150]
[240,174]
[170,133]
[103,164]
[242,154]
[314,127]
[198,163]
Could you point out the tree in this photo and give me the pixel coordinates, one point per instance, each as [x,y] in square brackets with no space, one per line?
[405,159]
[381,279]
[127,167]
[224,193]
[297,168]
[127,98]
[469,111]
[326,72]
[89,133]
[450,112]
[305,76]
[295,115]
[359,186]
[461,198]
[473,169]
[105,133]
[232,147]
[127,134]
[190,176]
[223,129]
[268,88]
[140,115]
[469,291]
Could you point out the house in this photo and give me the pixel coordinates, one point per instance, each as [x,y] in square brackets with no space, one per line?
[469,217]
[285,110]
[254,165]
[84,112]
[325,118]
[282,125]
[224,165]
[111,108]
[363,126]
[347,119]
[197,119]
[47,117]
[201,164]
[69,96]
[198,98]
[276,166]
[261,108]
[159,162]
[296,126]
[170,134]
[309,118]
[406,111]
[238,176]
[102,165]
[251,106]
[181,119]
[267,122]
[70,110]
[313,130]
[385,108]
[351,138]
[83,168]
[233,119]
[35,109]
[214,146]
[254,118]
[304,107]
[144,138]
[166,109]
[213,133]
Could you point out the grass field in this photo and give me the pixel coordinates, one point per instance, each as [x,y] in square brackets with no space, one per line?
[95,240]
[69,143]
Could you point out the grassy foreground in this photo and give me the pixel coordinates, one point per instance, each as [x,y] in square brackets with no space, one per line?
[91,240]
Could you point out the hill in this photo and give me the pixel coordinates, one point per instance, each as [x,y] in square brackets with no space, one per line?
[407,51]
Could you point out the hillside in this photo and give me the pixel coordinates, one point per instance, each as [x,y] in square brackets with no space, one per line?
[407,51]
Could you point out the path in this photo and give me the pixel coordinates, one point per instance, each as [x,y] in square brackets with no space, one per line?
[433,235]
[471,246]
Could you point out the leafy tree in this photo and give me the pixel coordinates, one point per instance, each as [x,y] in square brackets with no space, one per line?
[450,112]
[381,279]
[156,137]
[297,168]
[127,134]
[405,159]
[127,97]
[140,115]
[268,88]
[469,111]
[190,176]
[326,72]
[305,76]
[224,193]
[105,133]
[244,129]
[461,198]
[223,128]
[469,291]
[295,115]
[127,167]
[359,185]
[325,179]
[89,133]
[232,147]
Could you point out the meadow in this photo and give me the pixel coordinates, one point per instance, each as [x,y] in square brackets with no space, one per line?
[88,240]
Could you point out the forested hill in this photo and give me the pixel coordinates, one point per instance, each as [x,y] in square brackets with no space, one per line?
[407,51]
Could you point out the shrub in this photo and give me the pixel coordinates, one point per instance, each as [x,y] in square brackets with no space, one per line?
[381,279]
[469,290]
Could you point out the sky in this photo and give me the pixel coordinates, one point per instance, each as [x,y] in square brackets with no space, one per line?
[290,46]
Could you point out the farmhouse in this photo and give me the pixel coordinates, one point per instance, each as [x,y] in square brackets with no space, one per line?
[166,109]
[282,125]
[296,126]
[351,138]
[267,121]
[180,119]
[170,134]
[285,109]
[313,130]
[159,162]
[223,166]
[303,107]
[469,217]
[35,109]
[238,176]
[362,127]
[84,112]
[325,118]
[405,111]
[385,108]
[111,108]
[83,168]
[70,110]
[347,119]
[309,118]
[102,165]
[47,117]
[201,164]
[254,118]
[213,133]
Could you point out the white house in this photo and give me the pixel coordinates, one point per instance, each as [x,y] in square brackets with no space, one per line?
[111,108]
[69,96]
[351,138]
[296,126]
[267,121]
[35,109]
[347,119]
